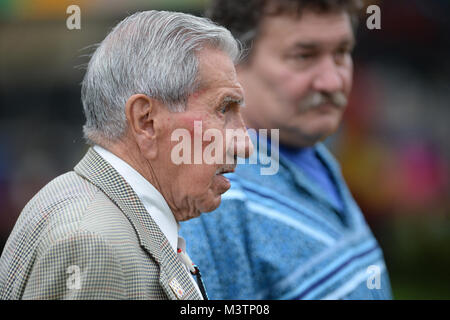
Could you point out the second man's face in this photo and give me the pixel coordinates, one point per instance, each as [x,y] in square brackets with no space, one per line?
[299,76]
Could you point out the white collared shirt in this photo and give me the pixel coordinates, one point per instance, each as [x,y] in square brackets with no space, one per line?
[152,199]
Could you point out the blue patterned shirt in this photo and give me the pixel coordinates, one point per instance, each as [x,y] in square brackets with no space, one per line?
[281,237]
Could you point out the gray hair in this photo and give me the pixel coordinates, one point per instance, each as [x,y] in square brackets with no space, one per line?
[152,53]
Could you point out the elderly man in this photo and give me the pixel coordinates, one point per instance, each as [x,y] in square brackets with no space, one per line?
[109,229]
[296,234]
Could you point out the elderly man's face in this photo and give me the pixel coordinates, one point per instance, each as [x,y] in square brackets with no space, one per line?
[195,188]
[299,75]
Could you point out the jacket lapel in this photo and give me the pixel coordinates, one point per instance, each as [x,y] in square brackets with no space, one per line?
[99,172]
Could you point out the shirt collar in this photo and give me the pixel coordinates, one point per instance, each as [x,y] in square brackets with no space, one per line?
[152,199]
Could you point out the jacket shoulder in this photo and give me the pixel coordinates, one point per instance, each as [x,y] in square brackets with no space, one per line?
[68,213]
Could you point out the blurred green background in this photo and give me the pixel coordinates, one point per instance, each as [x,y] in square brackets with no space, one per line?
[394,144]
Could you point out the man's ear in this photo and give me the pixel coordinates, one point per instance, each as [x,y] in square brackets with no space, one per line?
[140,111]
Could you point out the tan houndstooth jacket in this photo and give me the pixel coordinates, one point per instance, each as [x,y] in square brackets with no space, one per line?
[86,235]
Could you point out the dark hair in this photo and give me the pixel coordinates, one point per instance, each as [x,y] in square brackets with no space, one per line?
[243,18]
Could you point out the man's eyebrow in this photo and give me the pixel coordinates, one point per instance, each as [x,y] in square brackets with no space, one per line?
[351,42]
[348,42]
[233,99]
[306,45]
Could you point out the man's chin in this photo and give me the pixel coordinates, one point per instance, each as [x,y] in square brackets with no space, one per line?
[220,184]
[204,207]
[307,138]
[300,139]
[213,205]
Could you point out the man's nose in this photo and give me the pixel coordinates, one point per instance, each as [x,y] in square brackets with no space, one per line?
[328,78]
[238,141]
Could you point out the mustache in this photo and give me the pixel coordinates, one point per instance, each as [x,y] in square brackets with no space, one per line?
[316,99]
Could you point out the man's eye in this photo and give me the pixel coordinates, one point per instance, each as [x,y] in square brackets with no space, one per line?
[303,56]
[345,50]
[340,54]
[342,51]
[224,108]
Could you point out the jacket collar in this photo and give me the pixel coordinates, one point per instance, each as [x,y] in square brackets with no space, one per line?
[310,185]
[302,181]
[100,173]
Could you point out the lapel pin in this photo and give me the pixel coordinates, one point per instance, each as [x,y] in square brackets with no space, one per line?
[176,287]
